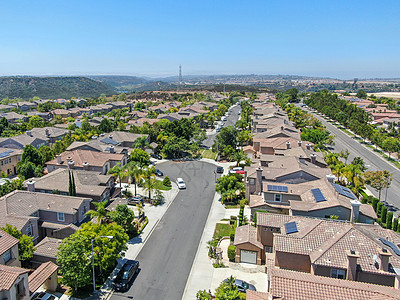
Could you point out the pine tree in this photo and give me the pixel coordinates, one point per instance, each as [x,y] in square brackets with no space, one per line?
[73,189]
[69,183]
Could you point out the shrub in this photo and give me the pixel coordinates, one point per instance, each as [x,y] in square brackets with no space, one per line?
[375,203]
[395,224]
[383,213]
[389,220]
[166,181]
[379,209]
[231,252]
[232,235]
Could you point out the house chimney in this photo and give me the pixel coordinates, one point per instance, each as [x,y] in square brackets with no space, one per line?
[287,145]
[86,166]
[352,257]
[59,159]
[331,178]
[384,256]
[259,180]
[110,136]
[313,158]
[47,132]
[28,132]
[30,186]
[112,150]
[308,146]
[282,127]
[355,209]
[71,164]
[299,143]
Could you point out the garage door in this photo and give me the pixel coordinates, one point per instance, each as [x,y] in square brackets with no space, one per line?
[249,257]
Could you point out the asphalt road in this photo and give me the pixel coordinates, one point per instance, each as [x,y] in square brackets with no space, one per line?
[167,256]
[372,160]
[230,121]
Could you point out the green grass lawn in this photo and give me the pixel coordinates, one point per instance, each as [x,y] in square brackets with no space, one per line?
[209,154]
[222,230]
[159,186]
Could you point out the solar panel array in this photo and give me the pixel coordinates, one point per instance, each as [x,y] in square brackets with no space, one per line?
[5,153]
[291,227]
[318,196]
[109,141]
[278,188]
[344,191]
[391,245]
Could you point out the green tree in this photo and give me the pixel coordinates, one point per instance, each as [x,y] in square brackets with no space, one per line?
[150,185]
[231,187]
[141,157]
[25,245]
[378,180]
[141,142]
[227,290]
[391,145]
[119,172]
[124,217]
[203,295]
[135,172]
[389,220]
[32,155]
[100,213]
[29,169]
[238,156]
[46,154]
[36,122]
[105,126]
[361,94]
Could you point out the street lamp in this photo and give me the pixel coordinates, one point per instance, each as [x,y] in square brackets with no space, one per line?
[94,280]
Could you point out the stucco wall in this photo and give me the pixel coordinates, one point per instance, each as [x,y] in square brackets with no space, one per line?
[292,261]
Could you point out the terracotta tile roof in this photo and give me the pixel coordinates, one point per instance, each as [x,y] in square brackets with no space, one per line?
[254,295]
[292,285]
[40,275]
[7,241]
[8,275]
[48,247]
[247,234]
[94,158]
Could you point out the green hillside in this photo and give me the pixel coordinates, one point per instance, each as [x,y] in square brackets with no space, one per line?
[120,82]
[52,87]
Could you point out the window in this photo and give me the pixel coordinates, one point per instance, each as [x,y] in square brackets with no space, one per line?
[29,230]
[340,274]
[278,197]
[7,256]
[252,181]
[60,217]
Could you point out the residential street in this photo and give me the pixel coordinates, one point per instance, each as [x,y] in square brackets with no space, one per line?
[230,121]
[166,258]
[372,160]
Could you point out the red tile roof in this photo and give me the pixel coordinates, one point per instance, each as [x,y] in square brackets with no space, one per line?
[7,241]
[8,275]
[40,275]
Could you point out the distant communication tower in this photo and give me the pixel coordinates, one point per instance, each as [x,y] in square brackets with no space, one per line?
[180,74]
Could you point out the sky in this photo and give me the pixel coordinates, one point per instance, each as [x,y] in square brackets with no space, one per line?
[340,39]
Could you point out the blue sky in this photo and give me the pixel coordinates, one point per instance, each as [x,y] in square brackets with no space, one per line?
[342,39]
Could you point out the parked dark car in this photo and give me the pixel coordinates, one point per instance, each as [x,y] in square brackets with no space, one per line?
[220,169]
[125,275]
[135,200]
[242,285]
[159,173]
[157,156]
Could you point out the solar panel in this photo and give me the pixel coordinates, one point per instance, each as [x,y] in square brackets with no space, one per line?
[5,153]
[318,196]
[109,141]
[278,188]
[291,227]
[344,191]
[391,245]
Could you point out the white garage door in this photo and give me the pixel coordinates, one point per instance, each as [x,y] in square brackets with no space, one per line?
[249,257]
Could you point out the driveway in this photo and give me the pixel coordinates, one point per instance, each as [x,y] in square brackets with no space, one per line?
[167,256]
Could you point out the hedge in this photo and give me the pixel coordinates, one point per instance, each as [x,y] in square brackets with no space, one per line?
[395,224]
[384,213]
[389,220]
[378,209]
[231,252]
[375,203]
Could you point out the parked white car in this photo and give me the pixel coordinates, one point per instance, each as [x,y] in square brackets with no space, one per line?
[181,184]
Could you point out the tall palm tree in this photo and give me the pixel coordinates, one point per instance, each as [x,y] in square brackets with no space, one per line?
[134,172]
[150,185]
[100,213]
[119,172]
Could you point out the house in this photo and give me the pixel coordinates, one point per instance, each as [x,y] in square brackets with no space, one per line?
[270,145]
[20,141]
[26,106]
[331,248]
[50,212]
[8,250]
[89,184]
[51,134]
[63,113]
[13,117]
[46,116]
[8,160]
[4,107]
[14,283]
[139,122]
[291,285]
[86,160]
[45,251]
[45,277]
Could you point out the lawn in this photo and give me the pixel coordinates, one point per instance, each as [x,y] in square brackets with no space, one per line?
[159,186]
[209,154]
[222,230]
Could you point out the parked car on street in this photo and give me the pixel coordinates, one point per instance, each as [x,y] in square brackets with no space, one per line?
[135,200]
[125,275]
[44,296]
[181,184]
[242,285]
[220,169]
[159,173]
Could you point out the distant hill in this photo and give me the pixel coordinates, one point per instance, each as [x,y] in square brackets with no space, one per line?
[120,82]
[52,87]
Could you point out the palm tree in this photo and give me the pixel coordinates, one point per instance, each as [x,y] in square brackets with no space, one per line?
[141,142]
[100,213]
[238,156]
[150,185]
[119,172]
[134,172]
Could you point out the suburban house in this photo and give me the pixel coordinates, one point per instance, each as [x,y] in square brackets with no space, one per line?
[46,116]
[51,134]
[50,212]
[13,117]
[331,248]
[4,107]
[8,250]
[8,160]
[291,285]
[14,283]
[45,251]
[26,106]
[63,113]
[89,184]
[87,160]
